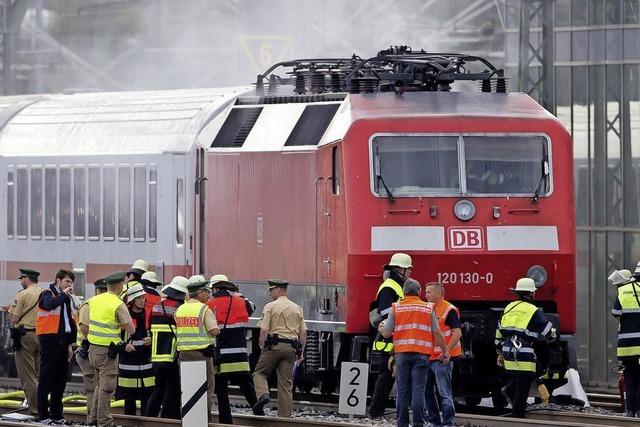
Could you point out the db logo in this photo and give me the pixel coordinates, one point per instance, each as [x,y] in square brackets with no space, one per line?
[465,238]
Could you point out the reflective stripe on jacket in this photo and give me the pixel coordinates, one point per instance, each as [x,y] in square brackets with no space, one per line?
[380,343]
[515,337]
[163,330]
[134,368]
[627,310]
[191,332]
[232,339]
[104,327]
[48,321]
[442,311]
[412,331]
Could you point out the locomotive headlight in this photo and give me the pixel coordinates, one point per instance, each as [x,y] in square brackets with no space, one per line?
[539,275]
[464,210]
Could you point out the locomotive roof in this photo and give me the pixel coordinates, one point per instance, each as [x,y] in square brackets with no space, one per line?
[108,122]
[458,104]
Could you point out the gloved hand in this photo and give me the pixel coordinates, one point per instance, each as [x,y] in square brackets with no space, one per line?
[500,360]
[544,393]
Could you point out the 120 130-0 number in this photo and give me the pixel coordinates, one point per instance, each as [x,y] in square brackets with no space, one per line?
[465,278]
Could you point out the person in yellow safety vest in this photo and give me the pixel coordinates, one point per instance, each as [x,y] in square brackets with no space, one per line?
[521,325]
[107,316]
[627,310]
[438,394]
[164,356]
[135,371]
[196,326]
[390,291]
[82,353]
[415,330]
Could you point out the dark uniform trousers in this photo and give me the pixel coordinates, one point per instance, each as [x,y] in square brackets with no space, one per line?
[518,389]
[54,367]
[383,387]
[164,394]
[281,358]
[632,384]
[242,380]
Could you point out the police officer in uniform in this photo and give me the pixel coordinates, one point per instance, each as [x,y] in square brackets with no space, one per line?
[283,336]
[196,327]
[107,316]
[627,310]
[56,329]
[390,291]
[231,362]
[163,351]
[82,353]
[521,325]
[22,316]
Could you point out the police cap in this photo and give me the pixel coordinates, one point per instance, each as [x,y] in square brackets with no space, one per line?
[27,272]
[196,286]
[277,283]
[100,284]
[115,278]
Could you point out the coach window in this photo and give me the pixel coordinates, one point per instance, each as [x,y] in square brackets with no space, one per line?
[153,203]
[36,203]
[79,204]
[50,201]
[180,212]
[415,165]
[506,164]
[94,203]
[335,173]
[65,203]
[23,203]
[139,203]
[109,203]
[124,203]
[10,205]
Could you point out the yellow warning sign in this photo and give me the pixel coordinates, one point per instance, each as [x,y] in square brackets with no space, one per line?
[264,51]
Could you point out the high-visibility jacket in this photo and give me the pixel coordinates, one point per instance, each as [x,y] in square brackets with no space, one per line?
[191,332]
[380,343]
[104,327]
[48,321]
[516,336]
[163,331]
[443,308]
[627,310]
[412,331]
[134,368]
[232,316]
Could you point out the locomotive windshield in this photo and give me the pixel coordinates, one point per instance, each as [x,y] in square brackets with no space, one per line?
[416,165]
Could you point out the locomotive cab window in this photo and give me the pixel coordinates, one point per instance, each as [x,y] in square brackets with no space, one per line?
[414,165]
[421,165]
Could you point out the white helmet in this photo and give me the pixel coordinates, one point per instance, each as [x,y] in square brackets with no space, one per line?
[525,285]
[618,277]
[399,260]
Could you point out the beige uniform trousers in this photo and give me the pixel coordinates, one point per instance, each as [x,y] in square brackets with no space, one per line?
[281,358]
[28,367]
[191,355]
[106,378]
[89,380]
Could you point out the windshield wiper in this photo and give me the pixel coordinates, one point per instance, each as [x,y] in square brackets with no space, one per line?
[392,200]
[543,179]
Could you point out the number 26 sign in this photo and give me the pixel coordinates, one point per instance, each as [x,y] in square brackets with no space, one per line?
[353,388]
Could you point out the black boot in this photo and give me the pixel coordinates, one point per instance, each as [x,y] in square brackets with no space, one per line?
[258,408]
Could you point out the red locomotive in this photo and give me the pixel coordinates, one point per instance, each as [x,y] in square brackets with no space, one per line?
[476,186]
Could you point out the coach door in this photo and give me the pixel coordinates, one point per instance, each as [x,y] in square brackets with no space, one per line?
[200,216]
[181,231]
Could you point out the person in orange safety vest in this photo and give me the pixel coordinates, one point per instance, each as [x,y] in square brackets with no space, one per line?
[439,374]
[414,327]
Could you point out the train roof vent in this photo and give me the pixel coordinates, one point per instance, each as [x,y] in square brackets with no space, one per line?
[311,125]
[236,127]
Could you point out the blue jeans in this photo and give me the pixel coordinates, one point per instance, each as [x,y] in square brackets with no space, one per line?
[411,377]
[439,377]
